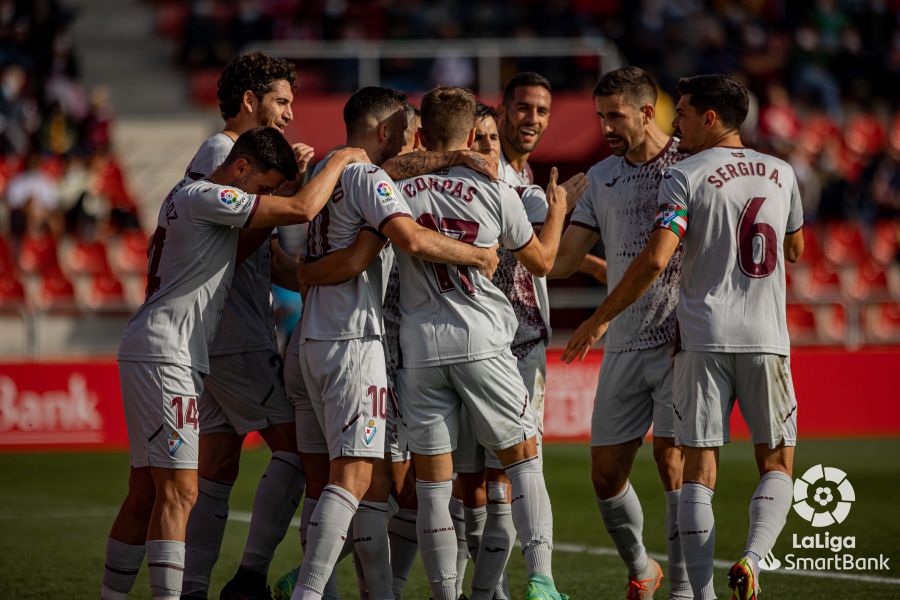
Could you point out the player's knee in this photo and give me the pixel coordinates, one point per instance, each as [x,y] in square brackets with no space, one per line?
[608,482]
[472,490]
[180,492]
[669,463]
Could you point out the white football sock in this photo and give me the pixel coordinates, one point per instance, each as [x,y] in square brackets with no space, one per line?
[679,586]
[205,530]
[697,530]
[123,562]
[277,498]
[496,548]
[624,520]
[165,562]
[532,515]
[326,536]
[768,512]
[370,538]
[404,547]
[458,514]
[437,537]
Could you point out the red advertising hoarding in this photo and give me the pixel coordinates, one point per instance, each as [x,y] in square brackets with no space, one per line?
[77,405]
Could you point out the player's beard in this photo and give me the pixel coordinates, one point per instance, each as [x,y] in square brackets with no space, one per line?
[511,133]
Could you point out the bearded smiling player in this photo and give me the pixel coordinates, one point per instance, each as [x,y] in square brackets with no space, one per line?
[738,214]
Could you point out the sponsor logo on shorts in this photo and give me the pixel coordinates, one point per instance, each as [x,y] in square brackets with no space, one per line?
[385,192]
[175,442]
[369,432]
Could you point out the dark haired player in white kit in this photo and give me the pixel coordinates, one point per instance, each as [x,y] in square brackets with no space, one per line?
[635,386]
[738,214]
[163,354]
[244,391]
[455,332]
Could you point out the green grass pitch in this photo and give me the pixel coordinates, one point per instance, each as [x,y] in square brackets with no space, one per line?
[56,509]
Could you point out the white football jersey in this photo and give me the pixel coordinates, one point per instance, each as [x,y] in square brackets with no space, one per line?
[732,207]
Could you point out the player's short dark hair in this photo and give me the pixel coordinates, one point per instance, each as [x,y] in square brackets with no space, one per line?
[483,111]
[374,101]
[265,149]
[634,83]
[524,79]
[720,93]
[448,114]
[254,71]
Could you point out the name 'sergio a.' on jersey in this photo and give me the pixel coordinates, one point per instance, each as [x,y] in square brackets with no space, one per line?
[454,314]
[732,208]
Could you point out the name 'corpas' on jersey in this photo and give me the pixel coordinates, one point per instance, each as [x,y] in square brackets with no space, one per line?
[436,183]
[742,168]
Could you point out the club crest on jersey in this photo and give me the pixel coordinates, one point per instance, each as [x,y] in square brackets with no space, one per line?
[385,192]
[369,432]
[233,198]
[175,442]
[668,217]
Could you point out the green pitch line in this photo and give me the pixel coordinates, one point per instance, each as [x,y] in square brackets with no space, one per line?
[56,509]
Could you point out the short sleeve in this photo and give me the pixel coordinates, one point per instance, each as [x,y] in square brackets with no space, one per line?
[672,213]
[795,214]
[585,213]
[222,205]
[209,157]
[535,202]
[375,193]
[516,232]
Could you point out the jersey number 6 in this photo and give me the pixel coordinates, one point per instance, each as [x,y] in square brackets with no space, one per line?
[459,229]
[748,231]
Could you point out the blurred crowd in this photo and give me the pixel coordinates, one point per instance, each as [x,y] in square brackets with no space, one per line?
[824,73]
[57,172]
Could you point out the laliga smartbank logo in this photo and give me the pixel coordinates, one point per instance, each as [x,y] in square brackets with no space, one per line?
[823,497]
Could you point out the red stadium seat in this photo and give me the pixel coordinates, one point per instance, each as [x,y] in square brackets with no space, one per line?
[106,293]
[7,264]
[824,283]
[204,86]
[886,241]
[130,253]
[871,281]
[37,254]
[56,292]
[882,322]
[12,294]
[801,322]
[812,247]
[844,244]
[832,323]
[87,258]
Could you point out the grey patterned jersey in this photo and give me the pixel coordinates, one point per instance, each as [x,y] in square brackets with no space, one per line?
[453,314]
[248,321]
[732,207]
[526,293]
[364,198]
[514,178]
[620,204]
[190,266]
[391,336]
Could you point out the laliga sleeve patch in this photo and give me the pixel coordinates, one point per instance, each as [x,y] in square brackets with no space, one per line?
[236,200]
[385,192]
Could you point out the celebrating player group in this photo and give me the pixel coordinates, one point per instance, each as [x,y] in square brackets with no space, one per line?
[407,411]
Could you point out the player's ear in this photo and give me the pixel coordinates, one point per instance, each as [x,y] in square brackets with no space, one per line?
[649,113]
[471,139]
[248,101]
[709,118]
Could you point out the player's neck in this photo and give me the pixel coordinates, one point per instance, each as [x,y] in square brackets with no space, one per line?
[728,139]
[236,126]
[654,142]
[516,159]
[371,148]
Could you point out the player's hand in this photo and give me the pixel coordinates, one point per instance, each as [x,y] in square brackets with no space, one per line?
[490,261]
[304,154]
[352,155]
[587,334]
[556,194]
[487,165]
[575,187]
